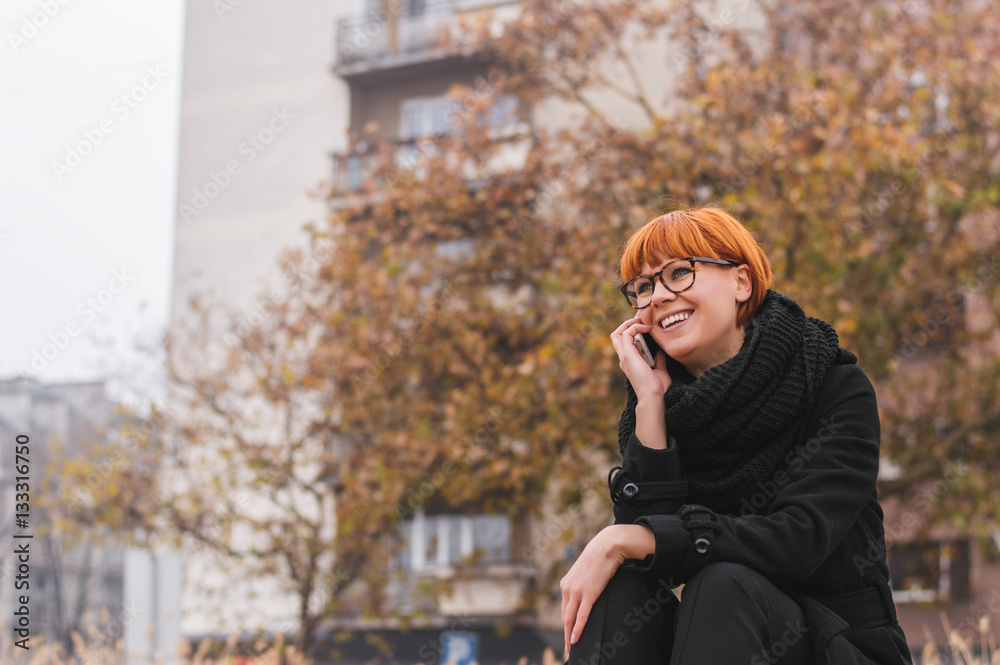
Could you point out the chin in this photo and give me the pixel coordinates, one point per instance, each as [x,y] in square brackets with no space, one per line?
[675,351]
[674,345]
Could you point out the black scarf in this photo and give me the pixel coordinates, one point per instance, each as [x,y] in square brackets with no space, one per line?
[736,422]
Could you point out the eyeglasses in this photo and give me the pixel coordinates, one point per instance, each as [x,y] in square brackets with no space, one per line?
[676,276]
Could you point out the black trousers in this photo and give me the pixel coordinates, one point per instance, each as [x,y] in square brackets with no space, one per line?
[730,615]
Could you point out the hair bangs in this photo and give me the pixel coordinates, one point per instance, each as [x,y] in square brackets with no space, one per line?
[669,236]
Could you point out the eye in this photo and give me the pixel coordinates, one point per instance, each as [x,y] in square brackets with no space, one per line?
[680,272]
[643,286]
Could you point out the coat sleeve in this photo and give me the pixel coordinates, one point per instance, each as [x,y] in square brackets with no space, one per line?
[649,482]
[788,528]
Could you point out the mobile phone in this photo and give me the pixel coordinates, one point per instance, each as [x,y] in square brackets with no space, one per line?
[647,355]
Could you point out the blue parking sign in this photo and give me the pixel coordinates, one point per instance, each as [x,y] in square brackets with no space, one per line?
[460,648]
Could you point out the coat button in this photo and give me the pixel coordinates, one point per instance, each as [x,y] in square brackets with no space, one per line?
[630,490]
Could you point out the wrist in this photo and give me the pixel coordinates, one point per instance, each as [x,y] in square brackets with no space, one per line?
[650,397]
[650,423]
[651,403]
[629,541]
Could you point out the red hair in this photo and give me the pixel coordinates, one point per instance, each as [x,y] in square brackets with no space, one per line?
[708,232]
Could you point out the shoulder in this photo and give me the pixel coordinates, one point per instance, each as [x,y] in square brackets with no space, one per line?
[846,381]
[846,398]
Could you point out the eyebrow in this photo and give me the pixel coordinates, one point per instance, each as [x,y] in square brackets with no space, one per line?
[662,266]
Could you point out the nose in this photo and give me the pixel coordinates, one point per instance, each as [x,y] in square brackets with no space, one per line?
[661,293]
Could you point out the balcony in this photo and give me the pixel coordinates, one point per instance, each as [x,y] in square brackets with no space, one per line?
[351,169]
[403,36]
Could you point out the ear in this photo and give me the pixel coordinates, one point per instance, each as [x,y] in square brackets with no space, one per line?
[744,285]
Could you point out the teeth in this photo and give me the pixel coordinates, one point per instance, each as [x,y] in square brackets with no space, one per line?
[670,320]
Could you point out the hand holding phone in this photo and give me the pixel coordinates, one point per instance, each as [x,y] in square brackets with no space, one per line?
[647,355]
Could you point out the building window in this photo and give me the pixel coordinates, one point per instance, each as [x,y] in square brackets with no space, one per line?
[504,112]
[432,116]
[428,7]
[445,540]
[354,173]
[410,7]
[931,571]
[427,116]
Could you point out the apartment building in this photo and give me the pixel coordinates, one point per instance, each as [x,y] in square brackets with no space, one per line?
[105,592]
[399,79]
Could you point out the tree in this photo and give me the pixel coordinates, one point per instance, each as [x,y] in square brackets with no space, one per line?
[859,141]
[447,346]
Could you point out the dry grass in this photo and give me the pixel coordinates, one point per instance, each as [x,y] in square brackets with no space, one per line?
[961,647]
[91,650]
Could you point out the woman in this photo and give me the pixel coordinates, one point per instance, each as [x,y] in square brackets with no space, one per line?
[750,454]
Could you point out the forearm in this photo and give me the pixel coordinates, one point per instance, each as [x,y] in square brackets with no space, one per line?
[629,541]
[650,423]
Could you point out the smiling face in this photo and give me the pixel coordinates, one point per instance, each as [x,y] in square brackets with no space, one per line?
[698,327]
[706,321]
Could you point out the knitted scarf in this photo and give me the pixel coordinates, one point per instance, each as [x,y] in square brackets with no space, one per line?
[736,422]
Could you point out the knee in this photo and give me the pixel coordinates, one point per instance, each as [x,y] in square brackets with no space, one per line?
[629,585]
[631,592]
[723,577]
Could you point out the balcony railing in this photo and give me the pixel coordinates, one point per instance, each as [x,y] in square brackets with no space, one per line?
[351,169]
[404,28]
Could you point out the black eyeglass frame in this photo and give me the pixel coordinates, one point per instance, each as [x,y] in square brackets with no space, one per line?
[659,275]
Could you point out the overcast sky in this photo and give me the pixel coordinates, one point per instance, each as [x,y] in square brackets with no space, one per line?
[89,112]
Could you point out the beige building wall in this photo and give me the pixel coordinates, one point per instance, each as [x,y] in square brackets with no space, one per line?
[260,114]
[656,66]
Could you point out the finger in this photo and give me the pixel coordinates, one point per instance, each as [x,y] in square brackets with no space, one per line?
[569,618]
[630,335]
[621,328]
[621,340]
[620,333]
[625,324]
[565,603]
[616,341]
[582,615]
[622,345]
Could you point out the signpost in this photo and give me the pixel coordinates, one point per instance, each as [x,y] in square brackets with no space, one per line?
[460,648]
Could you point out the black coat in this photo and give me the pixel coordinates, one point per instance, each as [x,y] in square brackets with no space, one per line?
[814,528]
